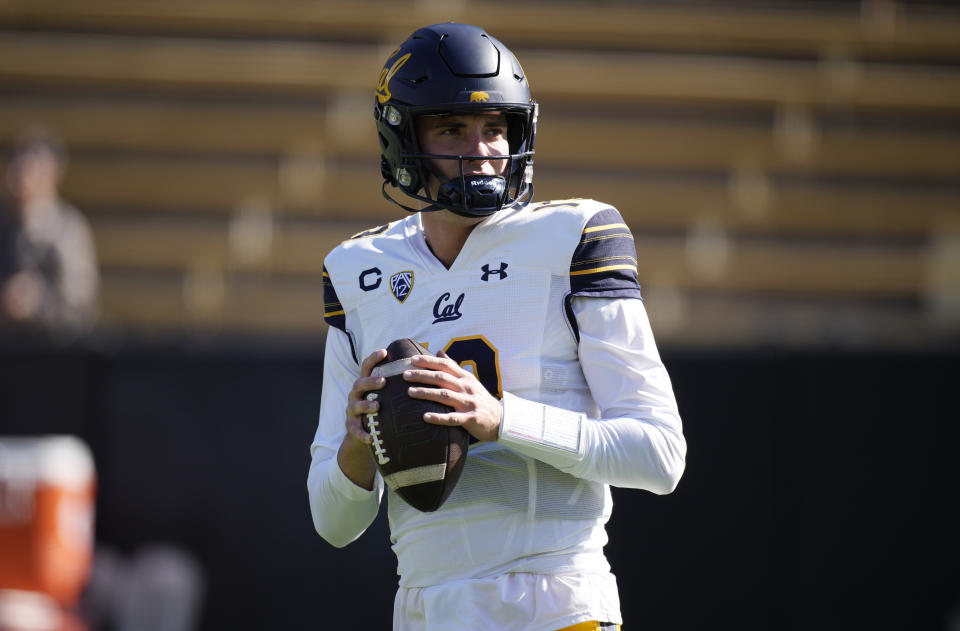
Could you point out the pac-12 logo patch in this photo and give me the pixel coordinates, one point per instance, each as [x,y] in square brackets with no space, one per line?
[401,284]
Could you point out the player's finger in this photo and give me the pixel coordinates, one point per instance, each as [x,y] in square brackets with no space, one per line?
[359,407]
[452,419]
[365,384]
[431,377]
[355,429]
[453,365]
[444,363]
[440,395]
[431,362]
[372,360]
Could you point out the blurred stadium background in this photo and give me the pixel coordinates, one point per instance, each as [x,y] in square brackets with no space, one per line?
[791,171]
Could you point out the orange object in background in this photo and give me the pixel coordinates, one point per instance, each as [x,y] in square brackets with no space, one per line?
[47,488]
[33,611]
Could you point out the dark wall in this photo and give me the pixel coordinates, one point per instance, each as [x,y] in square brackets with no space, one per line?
[818,491]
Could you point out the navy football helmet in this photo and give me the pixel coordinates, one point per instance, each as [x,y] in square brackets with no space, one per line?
[454,68]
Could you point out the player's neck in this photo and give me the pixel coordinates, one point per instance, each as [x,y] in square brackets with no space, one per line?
[446,234]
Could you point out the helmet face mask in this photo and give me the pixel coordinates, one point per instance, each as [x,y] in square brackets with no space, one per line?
[451,69]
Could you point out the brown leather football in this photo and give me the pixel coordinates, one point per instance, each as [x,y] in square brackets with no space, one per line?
[421,462]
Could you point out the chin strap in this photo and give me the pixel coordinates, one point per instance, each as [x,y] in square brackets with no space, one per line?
[526,198]
[386,196]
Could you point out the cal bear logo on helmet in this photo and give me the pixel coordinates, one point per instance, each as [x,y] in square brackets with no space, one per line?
[383,85]
[479,97]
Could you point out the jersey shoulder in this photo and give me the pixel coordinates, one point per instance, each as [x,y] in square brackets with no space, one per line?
[604,262]
[370,239]
[561,221]
[367,247]
[362,251]
[575,208]
[603,259]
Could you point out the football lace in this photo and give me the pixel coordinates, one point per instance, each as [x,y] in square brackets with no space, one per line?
[374,431]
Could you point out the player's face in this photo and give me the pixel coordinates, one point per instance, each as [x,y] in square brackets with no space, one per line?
[481,134]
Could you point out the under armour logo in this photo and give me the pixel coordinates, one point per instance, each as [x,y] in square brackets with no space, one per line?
[445,313]
[501,273]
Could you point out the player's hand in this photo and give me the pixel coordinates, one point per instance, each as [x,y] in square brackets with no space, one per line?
[357,404]
[474,409]
[354,456]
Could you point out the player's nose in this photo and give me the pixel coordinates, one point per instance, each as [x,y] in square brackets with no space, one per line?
[478,144]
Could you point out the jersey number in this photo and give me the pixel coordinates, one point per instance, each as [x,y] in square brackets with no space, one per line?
[477,353]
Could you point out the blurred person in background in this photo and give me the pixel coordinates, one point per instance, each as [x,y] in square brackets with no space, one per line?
[49,279]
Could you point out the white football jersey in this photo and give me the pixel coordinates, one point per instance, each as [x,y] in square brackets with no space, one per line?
[503,310]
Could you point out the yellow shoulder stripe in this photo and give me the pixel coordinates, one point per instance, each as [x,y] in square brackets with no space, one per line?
[597,270]
[606,227]
[333,313]
[619,257]
[590,625]
[603,237]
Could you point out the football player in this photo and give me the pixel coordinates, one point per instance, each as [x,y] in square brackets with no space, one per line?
[544,352]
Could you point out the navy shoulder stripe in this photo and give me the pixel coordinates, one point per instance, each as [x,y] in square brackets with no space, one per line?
[605,261]
[332,309]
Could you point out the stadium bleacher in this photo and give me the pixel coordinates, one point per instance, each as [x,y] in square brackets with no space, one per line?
[788,171]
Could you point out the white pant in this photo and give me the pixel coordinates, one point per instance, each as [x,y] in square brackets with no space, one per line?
[509,602]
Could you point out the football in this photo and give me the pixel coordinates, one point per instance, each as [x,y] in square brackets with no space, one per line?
[419,461]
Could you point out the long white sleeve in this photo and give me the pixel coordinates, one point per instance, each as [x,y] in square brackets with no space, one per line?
[341,510]
[638,440]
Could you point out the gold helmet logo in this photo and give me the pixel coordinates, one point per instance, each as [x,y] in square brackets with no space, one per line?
[383,85]
[479,97]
